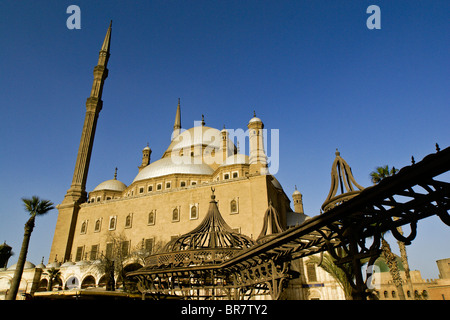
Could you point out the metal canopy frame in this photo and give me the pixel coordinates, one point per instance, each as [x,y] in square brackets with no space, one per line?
[412,194]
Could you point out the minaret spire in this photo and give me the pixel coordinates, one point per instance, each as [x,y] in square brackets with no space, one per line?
[76,195]
[177,123]
[93,106]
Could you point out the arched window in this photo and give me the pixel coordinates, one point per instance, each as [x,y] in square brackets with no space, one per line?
[394,294]
[128,221]
[83,227]
[175,215]
[194,213]
[112,223]
[386,294]
[151,218]
[97,225]
[234,206]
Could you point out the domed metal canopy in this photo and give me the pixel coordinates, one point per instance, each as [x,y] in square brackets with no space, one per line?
[212,233]
[341,178]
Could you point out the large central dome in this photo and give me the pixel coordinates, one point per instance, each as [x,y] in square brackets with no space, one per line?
[166,166]
[195,137]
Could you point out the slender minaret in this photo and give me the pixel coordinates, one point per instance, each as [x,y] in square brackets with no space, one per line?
[77,191]
[177,123]
[257,158]
[68,209]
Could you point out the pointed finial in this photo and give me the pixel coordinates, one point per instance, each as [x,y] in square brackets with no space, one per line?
[254,114]
[115,174]
[203,120]
[107,41]
[337,153]
[213,197]
[437,148]
[177,123]
[295,187]
[412,160]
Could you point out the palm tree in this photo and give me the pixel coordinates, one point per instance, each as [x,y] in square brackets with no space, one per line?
[337,273]
[376,176]
[53,274]
[381,172]
[35,207]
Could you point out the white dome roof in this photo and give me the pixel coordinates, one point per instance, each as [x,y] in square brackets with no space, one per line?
[68,264]
[235,159]
[54,264]
[166,166]
[113,184]
[255,119]
[196,136]
[28,265]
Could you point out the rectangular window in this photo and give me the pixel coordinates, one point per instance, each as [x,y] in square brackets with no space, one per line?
[141,190]
[183,184]
[124,249]
[311,272]
[168,185]
[109,250]
[235,174]
[94,251]
[149,245]
[79,254]
[150,188]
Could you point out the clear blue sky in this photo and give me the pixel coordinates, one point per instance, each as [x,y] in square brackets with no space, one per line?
[311,69]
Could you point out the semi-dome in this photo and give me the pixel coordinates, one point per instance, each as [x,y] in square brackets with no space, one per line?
[235,159]
[166,166]
[113,185]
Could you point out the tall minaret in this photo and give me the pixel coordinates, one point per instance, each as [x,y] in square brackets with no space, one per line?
[177,123]
[68,209]
[77,191]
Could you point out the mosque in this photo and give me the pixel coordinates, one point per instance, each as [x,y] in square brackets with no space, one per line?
[167,198]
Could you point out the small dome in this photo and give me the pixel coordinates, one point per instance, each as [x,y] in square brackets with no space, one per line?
[381,263]
[296,192]
[113,185]
[255,119]
[295,219]
[82,263]
[28,265]
[41,266]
